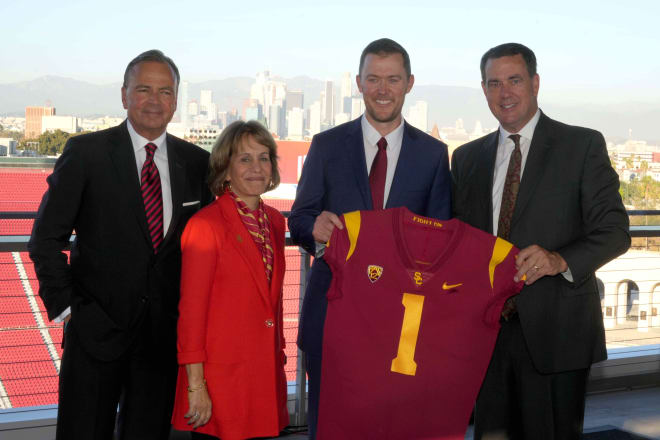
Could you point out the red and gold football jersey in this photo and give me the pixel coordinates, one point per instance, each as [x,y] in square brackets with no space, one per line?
[413,314]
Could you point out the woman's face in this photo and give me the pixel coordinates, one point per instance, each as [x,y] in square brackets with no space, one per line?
[250,170]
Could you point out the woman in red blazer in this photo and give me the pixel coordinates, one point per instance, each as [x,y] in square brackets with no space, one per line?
[231,380]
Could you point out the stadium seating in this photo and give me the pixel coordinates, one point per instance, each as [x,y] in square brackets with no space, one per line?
[30,353]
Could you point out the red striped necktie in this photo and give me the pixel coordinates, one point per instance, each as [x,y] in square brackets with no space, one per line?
[152,196]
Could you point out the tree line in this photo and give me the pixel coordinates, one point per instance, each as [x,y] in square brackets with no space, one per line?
[49,143]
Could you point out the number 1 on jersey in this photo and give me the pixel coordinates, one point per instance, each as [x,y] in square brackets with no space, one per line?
[404,362]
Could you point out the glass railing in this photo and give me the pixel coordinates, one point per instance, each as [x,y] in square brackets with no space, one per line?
[30,345]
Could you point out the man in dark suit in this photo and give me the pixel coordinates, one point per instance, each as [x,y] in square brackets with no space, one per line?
[127,192]
[377,161]
[549,189]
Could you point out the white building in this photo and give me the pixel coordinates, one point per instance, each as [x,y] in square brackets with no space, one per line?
[315,118]
[68,124]
[193,109]
[296,121]
[205,100]
[9,146]
[328,103]
[357,107]
[346,93]
[418,115]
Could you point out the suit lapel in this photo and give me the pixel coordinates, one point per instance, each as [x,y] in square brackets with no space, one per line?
[534,167]
[405,169]
[356,159]
[276,234]
[177,183]
[483,178]
[123,159]
[241,240]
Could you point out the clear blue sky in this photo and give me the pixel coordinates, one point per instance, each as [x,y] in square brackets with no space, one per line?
[602,51]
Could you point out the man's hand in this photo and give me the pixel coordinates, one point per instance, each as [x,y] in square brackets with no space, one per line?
[535,262]
[324,224]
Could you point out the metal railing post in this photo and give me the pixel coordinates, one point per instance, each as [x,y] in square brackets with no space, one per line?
[301,377]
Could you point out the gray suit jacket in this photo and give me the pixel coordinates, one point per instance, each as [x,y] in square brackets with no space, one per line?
[569,203]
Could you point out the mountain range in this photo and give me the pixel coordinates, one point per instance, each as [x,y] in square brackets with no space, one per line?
[446,104]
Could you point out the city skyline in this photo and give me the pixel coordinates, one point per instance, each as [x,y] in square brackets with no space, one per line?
[588,51]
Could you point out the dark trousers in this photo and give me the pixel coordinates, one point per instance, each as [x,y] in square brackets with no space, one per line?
[140,383]
[313,367]
[518,402]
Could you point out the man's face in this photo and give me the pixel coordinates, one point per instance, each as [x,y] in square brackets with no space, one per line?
[150,98]
[384,84]
[510,91]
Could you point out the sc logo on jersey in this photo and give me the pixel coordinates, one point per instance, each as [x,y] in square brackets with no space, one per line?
[374,272]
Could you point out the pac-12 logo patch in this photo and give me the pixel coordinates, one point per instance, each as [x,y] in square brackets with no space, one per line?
[374,272]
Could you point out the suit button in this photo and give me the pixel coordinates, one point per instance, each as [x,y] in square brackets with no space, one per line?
[269,323]
[144,298]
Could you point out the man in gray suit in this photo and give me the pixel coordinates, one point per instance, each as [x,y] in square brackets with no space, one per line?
[548,188]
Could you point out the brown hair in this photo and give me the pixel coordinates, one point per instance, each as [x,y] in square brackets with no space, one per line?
[226,146]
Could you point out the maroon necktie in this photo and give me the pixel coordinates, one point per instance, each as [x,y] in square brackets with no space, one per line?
[510,191]
[152,196]
[377,175]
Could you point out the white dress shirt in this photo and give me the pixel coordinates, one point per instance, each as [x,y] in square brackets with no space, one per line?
[160,158]
[394,139]
[505,147]
[370,138]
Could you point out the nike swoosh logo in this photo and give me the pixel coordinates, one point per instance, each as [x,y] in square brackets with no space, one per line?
[446,286]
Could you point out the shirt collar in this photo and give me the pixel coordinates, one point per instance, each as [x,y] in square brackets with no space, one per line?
[139,142]
[372,136]
[526,132]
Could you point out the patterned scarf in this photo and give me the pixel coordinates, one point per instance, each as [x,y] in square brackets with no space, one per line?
[256,222]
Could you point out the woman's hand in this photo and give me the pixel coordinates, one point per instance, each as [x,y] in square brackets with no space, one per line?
[199,402]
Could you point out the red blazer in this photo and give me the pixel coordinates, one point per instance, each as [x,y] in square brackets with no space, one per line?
[231,320]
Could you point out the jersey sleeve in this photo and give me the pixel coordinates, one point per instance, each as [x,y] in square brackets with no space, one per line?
[340,248]
[501,269]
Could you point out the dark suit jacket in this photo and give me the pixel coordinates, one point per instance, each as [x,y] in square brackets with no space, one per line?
[569,203]
[114,278]
[335,178]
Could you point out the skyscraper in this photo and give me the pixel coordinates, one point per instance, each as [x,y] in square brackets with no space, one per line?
[327,103]
[346,92]
[315,118]
[294,98]
[205,100]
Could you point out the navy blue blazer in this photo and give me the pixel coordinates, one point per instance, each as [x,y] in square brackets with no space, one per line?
[335,178]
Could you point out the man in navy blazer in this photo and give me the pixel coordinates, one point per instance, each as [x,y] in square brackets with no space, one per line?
[335,180]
